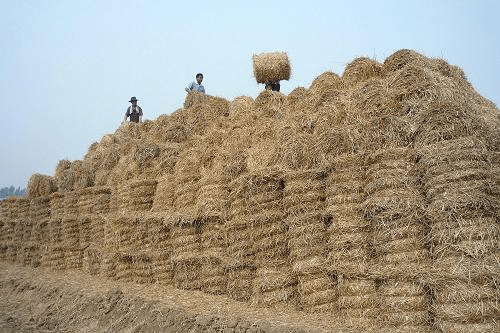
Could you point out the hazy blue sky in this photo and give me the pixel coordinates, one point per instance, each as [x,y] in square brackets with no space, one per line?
[68,68]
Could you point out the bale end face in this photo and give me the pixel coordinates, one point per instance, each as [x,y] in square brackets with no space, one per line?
[271,67]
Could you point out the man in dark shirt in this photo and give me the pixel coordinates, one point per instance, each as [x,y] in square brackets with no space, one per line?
[134,112]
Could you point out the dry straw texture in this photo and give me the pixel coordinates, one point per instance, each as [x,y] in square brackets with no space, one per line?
[370,198]
[271,67]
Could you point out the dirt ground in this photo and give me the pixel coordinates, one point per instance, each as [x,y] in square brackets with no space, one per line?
[40,300]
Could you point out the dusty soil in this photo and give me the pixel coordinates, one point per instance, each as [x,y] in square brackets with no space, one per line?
[40,300]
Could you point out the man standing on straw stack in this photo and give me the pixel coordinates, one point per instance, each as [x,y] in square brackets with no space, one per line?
[196,86]
[134,112]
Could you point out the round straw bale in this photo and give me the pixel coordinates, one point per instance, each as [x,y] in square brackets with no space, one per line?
[361,69]
[326,83]
[403,57]
[271,67]
[40,185]
[240,107]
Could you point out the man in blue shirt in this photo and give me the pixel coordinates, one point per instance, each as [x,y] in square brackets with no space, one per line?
[196,86]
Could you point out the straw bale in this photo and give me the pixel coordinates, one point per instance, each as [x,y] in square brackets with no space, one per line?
[187,273]
[449,231]
[39,209]
[145,152]
[40,185]
[41,232]
[403,57]
[240,106]
[451,327]
[73,258]
[212,199]
[306,241]
[92,259]
[56,204]
[141,194]
[462,291]
[271,67]
[239,281]
[453,265]
[165,194]
[71,203]
[213,236]
[85,198]
[328,83]
[70,231]
[404,200]
[468,312]
[362,319]
[446,120]
[361,69]
[162,269]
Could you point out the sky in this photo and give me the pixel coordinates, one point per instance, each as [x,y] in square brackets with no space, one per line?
[69,68]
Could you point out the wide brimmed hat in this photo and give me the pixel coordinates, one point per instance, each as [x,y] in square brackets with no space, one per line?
[133,99]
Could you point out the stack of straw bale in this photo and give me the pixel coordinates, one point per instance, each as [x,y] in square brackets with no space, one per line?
[118,202]
[255,198]
[70,228]
[71,203]
[212,249]
[271,67]
[405,306]
[86,232]
[186,245]
[53,257]
[304,199]
[169,155]
[395,209]
[212,196]
[124,262]
[73,254]
[162,268]
[85,200]
[317,289]
[163,200]
[130,232]
[274,282]
[101,199]
[142,267]
[467,306]
[349,237]
[213,278]
[56,205]
[358,302]
[40,185]
[464,233]
[360,70]
[186,189]
[92,259]
[141,195]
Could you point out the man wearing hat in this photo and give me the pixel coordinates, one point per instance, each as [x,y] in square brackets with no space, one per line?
[134,112]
